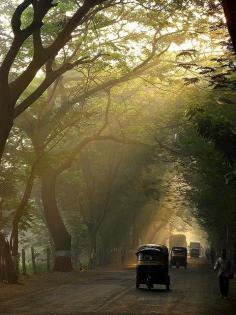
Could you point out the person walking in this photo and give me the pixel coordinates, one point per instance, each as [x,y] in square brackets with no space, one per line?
[223,267]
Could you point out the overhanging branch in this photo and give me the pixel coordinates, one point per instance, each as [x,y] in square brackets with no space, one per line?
[77,149]
[51,76]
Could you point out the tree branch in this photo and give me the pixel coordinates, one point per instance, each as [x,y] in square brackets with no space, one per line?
[16,17]
[106,120]
[79,147]
[21,82]
[20,35]
[51,76]
[143,66]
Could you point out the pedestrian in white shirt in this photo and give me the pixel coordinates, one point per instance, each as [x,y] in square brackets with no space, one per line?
[223,267]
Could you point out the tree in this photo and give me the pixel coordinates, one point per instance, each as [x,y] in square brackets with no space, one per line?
[31,21]
[230,13]
[207,154]
[11,92]
[96,192]
[50,125]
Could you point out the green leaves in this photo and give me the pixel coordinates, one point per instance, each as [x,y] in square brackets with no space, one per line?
[221,132]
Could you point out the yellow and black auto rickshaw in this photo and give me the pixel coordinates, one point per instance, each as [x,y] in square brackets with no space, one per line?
[178,257]
[152,266]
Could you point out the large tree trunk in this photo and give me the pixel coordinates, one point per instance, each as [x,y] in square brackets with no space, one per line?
[229,7]
[5,128]
[1,212]
[59,233]
[18,216]
[7,269]
[6,118]
[93,251]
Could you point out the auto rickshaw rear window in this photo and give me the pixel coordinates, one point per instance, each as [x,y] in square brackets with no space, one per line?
[150,256]
[177,250]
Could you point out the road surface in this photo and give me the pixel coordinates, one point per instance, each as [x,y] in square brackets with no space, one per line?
[193,292]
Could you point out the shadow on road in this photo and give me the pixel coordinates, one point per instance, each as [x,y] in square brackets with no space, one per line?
[154,290]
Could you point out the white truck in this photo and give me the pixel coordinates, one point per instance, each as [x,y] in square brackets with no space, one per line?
[177,240]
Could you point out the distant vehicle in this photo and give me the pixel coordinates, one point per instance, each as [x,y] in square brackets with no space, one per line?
[178,257]
[195,248]
[152,266]
[177,240]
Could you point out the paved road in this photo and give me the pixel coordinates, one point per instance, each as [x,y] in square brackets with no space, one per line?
[193,291]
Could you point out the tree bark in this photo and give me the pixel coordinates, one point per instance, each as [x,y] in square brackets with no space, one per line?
[93,251]
[18,215]
[1,213]
[59,233]
[7,269]
[6,118]
[229,7]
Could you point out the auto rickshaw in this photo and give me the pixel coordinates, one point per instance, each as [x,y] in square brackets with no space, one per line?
[152,266]
[194,253]
[178,257]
